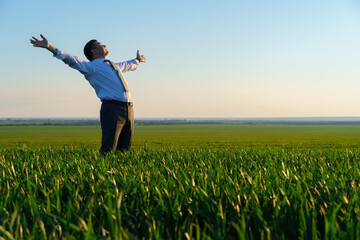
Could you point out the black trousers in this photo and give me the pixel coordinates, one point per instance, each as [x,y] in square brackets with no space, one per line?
[117,125]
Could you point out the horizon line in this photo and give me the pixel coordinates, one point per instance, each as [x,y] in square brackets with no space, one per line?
[191,118]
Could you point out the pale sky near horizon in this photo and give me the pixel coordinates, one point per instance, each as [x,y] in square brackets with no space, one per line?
[209,58]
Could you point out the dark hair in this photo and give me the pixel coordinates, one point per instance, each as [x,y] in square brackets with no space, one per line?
[87,49]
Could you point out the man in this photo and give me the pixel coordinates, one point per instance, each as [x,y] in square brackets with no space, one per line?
[116,114]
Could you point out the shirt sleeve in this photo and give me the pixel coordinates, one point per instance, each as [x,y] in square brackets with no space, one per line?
[74,62]
[130,65]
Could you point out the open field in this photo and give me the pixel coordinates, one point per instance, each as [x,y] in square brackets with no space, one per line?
[181,182]
[167,136]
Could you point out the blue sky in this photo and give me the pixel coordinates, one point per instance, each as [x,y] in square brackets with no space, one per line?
[204,58]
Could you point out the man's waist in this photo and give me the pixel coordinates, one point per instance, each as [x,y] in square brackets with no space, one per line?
[117,102]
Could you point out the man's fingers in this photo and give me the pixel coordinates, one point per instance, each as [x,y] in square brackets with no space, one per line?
[42,36]
[35,39]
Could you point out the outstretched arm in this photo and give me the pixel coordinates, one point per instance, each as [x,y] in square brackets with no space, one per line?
[44,43]
[131,65]
[72,61]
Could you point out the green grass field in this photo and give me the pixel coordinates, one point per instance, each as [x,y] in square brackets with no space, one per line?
[181,182]
[168,136]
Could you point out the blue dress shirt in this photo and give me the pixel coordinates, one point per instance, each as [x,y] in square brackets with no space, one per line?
[101,76]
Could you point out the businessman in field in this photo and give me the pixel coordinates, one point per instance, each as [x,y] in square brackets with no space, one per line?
[106,77]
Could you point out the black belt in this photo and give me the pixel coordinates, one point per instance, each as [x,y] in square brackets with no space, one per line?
[130,104]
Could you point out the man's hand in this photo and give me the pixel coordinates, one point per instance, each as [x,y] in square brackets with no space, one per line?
[139,57]
[44,43]
[37,43]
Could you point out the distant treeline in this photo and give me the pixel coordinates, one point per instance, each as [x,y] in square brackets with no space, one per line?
[142,122]
[50,122]
[249,122]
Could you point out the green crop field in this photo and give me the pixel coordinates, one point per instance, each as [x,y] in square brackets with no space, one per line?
[168,136]
[181,182]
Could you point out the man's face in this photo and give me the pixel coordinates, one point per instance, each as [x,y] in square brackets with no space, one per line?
[100,50]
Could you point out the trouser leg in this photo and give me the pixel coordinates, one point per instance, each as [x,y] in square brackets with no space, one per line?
[112,118]
[125,137]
